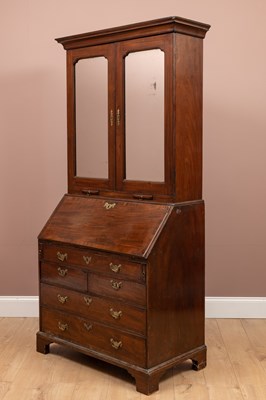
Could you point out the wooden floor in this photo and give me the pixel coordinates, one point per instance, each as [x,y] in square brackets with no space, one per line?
[236,368]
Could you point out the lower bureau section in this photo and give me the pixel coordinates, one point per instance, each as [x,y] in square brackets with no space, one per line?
[94,336]
[140,310]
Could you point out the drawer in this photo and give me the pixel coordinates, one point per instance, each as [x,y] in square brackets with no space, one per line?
[119,289]
[99,309]
[94,336]
[110,264]
[64,275]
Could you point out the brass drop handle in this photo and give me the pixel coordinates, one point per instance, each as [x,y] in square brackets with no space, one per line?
[116,285]
[116,345]
[62,272]
[61,256]
[62,327]
[115,314]
[88,327]
[62,299]
[142,196]
[115,267]
[88,300]
[90,192]
[87,259]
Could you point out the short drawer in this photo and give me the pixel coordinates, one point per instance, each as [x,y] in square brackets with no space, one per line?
[110,264]
[119,289]
[94,336]
[99,309]
[64,275]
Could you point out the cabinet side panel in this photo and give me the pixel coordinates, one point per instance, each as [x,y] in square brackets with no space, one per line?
[175,284]
[188,117]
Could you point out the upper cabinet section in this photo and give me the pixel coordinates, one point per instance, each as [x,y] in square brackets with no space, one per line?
[134,110]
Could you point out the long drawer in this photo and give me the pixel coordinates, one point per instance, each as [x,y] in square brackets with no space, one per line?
[111,312]
[110,264]
[94,336]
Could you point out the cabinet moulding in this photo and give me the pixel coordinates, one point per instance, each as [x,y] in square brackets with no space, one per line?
[216,307]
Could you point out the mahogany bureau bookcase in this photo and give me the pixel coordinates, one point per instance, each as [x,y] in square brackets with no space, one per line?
[121,259]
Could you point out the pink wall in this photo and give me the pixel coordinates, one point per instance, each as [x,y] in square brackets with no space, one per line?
[33,130]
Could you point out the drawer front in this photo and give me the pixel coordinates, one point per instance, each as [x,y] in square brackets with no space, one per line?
[94,336]
[123,290]
[110,264]
[111,312]
[64,275]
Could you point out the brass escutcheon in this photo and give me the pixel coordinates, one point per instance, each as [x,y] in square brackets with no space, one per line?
[116,345]
[88,300]
[111,118]
[61,256]
[62,327]
[88,326]
[62,272]
[87,259]
[115,267]
[115,314]
[108,206]
[118,117]
[62,299]
[116,285]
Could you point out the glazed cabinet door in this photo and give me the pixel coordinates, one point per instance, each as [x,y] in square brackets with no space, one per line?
[144,158]
[91,161]
[121,120]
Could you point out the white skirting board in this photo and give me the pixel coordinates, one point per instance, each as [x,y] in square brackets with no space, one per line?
[235,307]
[19,306]
[216,307]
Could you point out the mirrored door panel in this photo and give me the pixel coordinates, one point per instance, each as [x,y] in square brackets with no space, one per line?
[91,90]
[144,136]
[144,110]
